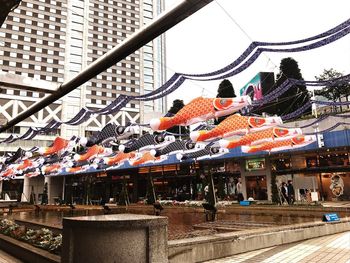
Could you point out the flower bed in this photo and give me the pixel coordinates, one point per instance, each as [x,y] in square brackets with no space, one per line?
[43,238]
[191,203]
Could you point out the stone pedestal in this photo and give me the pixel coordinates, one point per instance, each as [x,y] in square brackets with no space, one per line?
[115,238]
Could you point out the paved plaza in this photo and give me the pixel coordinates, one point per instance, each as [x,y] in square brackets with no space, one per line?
[333,248]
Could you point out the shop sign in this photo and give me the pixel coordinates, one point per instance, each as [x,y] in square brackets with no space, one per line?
[255,164]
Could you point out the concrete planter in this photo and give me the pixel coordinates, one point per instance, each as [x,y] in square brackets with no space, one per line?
[115,238]
[26,252]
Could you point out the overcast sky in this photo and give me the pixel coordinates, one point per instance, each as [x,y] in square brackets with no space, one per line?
[211,39]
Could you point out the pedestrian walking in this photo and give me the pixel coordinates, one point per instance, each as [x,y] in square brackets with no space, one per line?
[239,189]
[284,191]
[290,192]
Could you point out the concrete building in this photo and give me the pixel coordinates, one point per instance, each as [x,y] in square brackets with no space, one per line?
[45,43]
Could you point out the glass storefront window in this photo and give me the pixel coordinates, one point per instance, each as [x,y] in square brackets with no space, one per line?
[340,159]
[335,186]
[280,164]
[256,187]
[311,161]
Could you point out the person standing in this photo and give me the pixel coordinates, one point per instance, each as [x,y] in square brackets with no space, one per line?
[290,192]
[239,189]
[284,191]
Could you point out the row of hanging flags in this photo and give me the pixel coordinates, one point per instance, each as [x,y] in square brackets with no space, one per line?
[122,100]
[253,134]
[247,58]
[104,151]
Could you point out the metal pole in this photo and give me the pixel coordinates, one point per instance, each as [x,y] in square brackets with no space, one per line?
[137,40]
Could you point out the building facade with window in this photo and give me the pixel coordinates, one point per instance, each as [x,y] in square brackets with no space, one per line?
[44,43]
[53,41]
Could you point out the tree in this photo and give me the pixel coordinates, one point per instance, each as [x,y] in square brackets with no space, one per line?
[296,96]
[175,108]
[177,105]
[6,8]
[334,91]
[225,90]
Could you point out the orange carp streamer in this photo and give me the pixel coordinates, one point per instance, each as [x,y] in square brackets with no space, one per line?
[59,144]
[51,168]
[235,125]
[291,143]
[201,109]
[92,152]
[146,157]
[259,137]
[120,157]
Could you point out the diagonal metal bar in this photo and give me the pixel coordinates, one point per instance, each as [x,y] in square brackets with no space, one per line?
[141,37]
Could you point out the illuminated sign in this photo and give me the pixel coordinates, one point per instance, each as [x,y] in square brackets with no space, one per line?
[255,164]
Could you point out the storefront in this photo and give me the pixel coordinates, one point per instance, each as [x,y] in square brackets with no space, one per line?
[323,174]
[13,188]
[256,178]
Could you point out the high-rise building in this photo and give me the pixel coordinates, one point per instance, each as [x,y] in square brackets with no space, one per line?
[44,43]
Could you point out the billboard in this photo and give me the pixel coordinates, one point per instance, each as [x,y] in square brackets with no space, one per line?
[259,85]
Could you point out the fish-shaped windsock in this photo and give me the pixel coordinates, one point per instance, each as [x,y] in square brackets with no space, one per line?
[259,137]
[146,142]
[58,145]
[26,164]
[9,172]
[33,173]
[52,168]
[174,147]
[201,109]
[206,152]
[15,157]
[75,169]
[235,125]
[92,152]
[147,157]
[119,158]
[125,132]
[274,146]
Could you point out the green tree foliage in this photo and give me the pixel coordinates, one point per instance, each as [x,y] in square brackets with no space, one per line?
[225,90]
[335,91]
[177,105]
[175,108]
[297,95]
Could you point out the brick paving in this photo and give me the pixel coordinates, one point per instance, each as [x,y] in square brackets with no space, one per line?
[332,248]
